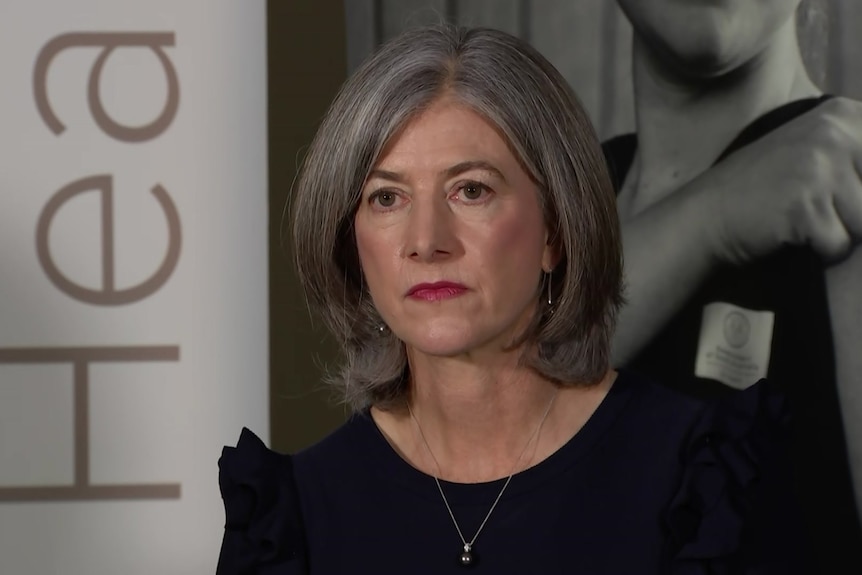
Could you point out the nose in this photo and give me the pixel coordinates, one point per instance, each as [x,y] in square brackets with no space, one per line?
[430,233]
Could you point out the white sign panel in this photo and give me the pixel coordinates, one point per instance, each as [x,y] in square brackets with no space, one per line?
[133,285]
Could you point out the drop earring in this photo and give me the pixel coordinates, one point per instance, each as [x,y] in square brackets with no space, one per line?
[550,277]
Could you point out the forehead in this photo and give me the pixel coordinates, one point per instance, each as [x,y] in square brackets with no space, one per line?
[447,130]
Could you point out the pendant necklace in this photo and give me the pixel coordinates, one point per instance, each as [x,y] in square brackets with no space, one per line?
[468,557]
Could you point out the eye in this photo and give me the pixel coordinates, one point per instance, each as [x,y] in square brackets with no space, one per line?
[383,198]
[472,191]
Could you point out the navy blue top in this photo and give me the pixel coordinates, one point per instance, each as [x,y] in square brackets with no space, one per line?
[654,482]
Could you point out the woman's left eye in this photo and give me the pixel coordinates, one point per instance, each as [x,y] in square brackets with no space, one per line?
[472,191]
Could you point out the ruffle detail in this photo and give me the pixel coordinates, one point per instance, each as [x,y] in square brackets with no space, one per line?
[725,463]
[263,525]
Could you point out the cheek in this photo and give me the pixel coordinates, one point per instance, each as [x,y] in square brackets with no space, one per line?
[518,245]
[375,258]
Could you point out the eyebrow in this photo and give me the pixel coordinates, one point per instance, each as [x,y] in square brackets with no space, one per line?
[451,172]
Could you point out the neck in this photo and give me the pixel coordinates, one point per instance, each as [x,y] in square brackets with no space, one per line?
[481,421]
[478,419]
[683,125]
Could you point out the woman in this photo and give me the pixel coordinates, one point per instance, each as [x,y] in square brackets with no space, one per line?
[741,205]
[455,227]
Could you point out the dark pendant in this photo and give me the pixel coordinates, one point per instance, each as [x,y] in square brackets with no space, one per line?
[467,558]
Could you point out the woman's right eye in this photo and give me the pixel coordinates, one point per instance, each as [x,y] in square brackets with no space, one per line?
[383,198]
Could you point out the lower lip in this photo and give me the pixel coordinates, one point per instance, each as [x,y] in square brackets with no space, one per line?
[437,294]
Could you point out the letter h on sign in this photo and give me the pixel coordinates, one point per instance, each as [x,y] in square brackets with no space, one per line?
[81,358]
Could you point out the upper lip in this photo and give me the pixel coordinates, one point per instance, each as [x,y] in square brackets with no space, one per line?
[435,285]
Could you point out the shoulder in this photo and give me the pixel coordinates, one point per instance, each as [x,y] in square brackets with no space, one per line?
[735,508]
[730,506]
[267,494]
[667,416]
[263,522]
[342,449]
[757,413]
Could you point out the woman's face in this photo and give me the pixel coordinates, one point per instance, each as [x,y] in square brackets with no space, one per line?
[707,38]
[451,235]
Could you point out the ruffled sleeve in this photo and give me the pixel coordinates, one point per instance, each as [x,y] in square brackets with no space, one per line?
[263,525]
[735,512]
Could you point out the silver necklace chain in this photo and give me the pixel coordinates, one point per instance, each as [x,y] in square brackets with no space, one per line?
[468,546]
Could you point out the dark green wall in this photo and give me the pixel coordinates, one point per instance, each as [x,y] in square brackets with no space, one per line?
[306,66]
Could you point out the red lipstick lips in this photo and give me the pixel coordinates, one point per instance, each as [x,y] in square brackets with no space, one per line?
[436,291]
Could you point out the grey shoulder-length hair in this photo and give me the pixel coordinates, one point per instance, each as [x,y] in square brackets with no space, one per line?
[508,82]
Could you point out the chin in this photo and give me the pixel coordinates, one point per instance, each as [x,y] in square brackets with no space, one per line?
[439,341]
[702,58]
[441,347]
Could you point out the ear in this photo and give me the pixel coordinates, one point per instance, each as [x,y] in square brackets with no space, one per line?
[551,254]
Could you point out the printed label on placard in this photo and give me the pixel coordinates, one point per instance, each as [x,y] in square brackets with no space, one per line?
[735,344]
